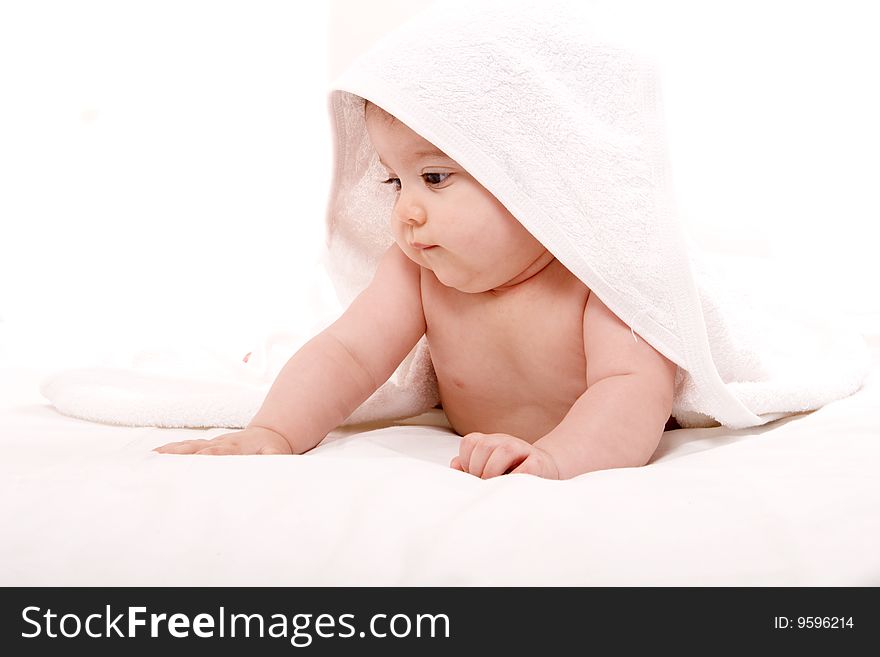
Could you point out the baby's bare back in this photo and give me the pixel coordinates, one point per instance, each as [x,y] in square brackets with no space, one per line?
[508,362]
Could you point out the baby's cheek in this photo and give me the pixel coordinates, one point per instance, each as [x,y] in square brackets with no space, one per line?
[400,238]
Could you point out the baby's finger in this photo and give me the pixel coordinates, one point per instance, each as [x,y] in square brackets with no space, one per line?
[465,448]
[479,456]
[455,464]
[219,450]
[529,466]
[503,457]
[181,447]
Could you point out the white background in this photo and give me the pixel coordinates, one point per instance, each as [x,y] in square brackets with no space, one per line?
[164,166]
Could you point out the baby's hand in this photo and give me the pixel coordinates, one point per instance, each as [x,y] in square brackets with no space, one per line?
[253,440]
[491,454]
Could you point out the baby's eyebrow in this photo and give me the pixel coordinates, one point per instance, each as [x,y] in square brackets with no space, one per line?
[431,152]
[421,155]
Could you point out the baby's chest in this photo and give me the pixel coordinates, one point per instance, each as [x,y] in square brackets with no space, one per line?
[521,347]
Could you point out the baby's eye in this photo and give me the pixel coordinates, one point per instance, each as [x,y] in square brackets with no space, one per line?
[393,181]
[427,177]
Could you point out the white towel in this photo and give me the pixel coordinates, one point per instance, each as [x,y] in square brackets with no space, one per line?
[563,124]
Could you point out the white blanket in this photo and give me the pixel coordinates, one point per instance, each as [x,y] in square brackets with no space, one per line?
[565,127]
[792,503]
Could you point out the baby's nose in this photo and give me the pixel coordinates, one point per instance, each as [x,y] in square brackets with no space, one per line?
[412,213]
[414,218]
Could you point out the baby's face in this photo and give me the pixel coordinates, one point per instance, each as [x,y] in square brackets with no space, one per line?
[476,244]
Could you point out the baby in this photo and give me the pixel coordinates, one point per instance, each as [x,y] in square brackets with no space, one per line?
[535,373]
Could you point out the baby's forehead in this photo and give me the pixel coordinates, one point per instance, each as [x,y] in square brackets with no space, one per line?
[398,142]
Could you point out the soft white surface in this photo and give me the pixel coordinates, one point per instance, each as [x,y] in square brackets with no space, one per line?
[793,502]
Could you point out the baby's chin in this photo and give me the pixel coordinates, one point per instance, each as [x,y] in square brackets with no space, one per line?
[466,282]
[459,276]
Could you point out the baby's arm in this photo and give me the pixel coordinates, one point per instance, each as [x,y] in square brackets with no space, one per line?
[334,372]
[324,382]
[619,419]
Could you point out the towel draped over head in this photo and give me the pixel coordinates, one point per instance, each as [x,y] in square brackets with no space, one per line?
[564,126]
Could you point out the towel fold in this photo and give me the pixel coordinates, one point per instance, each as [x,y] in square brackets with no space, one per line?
[564,126]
